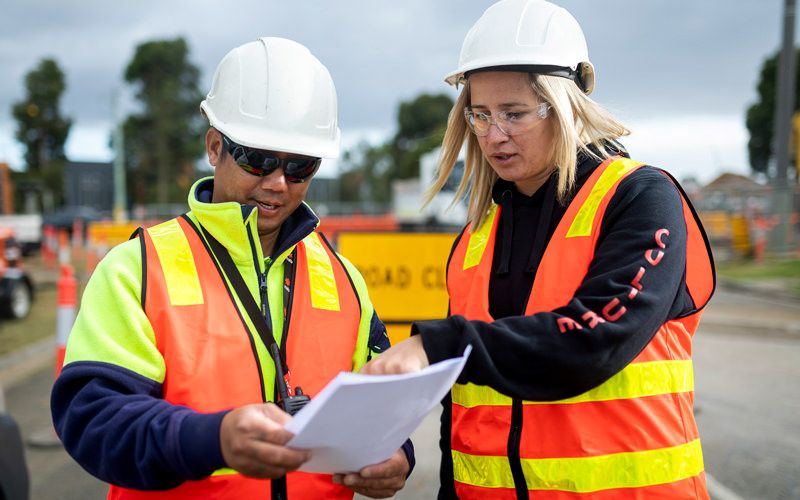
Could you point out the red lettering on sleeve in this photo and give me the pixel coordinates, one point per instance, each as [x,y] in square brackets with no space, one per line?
[565,324]
[636,283]
[660,237]
[654,256]
[611,305]
[592,319]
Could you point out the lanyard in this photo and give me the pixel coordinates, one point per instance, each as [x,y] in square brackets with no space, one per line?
[253,310]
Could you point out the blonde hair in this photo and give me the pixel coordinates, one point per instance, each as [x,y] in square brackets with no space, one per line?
[578,122]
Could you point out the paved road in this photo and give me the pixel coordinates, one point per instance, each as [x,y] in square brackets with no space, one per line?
[747,391]
[53,474]
[747,371]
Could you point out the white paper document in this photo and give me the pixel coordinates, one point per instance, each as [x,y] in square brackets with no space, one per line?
[359,420]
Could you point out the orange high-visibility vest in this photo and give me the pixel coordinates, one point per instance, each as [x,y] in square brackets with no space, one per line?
[634,436]
[210,356]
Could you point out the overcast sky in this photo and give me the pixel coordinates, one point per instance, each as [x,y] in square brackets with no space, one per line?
[679,73]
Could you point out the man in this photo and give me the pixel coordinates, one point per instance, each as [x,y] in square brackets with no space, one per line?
[169,368]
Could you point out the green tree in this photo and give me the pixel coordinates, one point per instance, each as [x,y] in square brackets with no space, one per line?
[370,170]
[367,173]
[760,116]
[163,142]
[42,130]
[421,124]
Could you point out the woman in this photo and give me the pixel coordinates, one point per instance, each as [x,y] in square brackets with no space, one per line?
[578,280]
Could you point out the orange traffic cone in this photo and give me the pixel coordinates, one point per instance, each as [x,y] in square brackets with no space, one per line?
[67,301]
[64,254]
[96,250]
[49,246]
[77,233]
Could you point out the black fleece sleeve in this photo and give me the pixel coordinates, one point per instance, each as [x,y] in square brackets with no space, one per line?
[529,357]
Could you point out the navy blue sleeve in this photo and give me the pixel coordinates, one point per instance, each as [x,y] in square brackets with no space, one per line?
[408,449]
[114,423]
[378,338]
[533,357]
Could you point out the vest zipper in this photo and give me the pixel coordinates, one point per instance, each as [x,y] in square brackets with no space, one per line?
[262,287]
[514,438]
[279,489]
[277,486]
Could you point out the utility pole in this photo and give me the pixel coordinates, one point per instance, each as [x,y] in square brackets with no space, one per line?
[782,234]
[120,200]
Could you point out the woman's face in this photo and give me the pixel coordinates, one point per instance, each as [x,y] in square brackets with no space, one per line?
[523,158]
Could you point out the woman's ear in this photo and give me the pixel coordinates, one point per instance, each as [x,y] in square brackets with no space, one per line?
[213,146]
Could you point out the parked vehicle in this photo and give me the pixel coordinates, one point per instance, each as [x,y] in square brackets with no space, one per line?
[441,212]
[66,216]
[27,230]
[16,287]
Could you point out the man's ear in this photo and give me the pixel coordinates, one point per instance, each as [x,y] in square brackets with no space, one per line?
[213,146]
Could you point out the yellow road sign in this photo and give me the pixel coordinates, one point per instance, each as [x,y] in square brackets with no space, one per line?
[405,272]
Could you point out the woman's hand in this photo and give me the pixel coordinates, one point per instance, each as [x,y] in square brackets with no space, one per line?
[407,356]
[381,480]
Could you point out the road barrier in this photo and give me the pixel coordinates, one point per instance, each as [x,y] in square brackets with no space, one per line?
[404,273]
[101,236]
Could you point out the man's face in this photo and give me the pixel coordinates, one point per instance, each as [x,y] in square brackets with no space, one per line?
[272,195]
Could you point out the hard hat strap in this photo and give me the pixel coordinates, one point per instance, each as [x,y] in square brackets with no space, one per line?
[538,69]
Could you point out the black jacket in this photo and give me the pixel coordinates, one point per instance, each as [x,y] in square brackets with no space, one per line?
[561,365]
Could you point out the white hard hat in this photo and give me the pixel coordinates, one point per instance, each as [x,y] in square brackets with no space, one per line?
[273,94]
[526,35]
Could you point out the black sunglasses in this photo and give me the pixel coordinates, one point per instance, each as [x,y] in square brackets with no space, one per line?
[260,162]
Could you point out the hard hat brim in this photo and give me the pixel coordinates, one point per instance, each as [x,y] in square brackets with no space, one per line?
[582,75]
[276,140]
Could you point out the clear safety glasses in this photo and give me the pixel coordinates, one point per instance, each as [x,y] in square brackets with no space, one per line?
[260,162]
[508,122]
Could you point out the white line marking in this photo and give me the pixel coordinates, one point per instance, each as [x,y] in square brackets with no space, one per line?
[719,491]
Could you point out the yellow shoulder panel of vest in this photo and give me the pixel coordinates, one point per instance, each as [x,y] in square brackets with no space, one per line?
[224,472]
[479,239]
[175,255]
[322,282]
[582,224]
[585,474]
[637,380]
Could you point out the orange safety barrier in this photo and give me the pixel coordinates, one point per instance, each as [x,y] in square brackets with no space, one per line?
[333,225]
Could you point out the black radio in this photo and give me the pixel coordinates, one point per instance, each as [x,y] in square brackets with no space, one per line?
[290,403]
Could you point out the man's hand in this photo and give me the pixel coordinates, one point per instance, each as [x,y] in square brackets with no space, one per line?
[407,356]
[252,439]
[381,480]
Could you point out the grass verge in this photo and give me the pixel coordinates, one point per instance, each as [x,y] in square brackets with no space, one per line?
[778,274]
[40,323]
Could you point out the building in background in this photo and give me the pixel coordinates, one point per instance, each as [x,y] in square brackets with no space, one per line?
[89,184]
[730,206]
